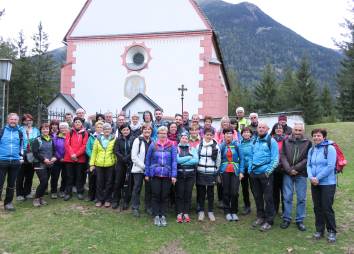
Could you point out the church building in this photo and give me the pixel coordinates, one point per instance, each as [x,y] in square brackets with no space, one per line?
[117,49]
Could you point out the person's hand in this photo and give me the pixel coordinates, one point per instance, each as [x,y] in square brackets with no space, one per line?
[146,178]
[53,160]
[241,176]
[73,157]
[46,162]
[173,180]
[293,172]
[92,168]
[314,181]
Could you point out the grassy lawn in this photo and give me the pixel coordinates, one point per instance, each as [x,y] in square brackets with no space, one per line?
[79,227]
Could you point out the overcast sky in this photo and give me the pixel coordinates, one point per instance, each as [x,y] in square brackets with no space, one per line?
[318,21]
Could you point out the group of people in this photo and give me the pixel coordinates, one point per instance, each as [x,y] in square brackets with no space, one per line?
[169,158]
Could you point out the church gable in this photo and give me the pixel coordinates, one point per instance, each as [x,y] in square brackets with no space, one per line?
[121,17]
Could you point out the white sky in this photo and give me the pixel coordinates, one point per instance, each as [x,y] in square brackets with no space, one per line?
[316,20]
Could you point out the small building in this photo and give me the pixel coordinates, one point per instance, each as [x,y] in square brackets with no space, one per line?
[63,103]
[139,104]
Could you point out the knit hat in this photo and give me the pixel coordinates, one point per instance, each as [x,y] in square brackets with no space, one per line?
[184,133]
[107,126]
[80,119]
[282,117]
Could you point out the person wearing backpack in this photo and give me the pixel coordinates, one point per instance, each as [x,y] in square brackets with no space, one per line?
[75,158]
[138,153]
[321,163]
[11,146]
[294,159]
[187,161]
[208,166]
[161,170]
[44,154]
[263,162]
[103,160]
[231,170]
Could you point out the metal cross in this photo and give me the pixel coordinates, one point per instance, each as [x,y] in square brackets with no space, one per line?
[182,89]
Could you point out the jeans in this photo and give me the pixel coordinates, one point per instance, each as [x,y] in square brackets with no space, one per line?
[203,190]
[24,179]
[160,187]
[300,184]
[231,184]
[184,188]
[76,177]
[43,176]
[263,195]
[323,198]
[138,183]
[104,183]
[11,169]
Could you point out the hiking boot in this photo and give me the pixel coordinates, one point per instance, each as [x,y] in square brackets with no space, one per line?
[201,216]
[179,218]
[107,204]
[285,224]
[257,222]
[115,205]
[163,221]
[318,235]
[228,217]
[125,206]
[331,238]
[74,189]
[20,198]
[265,227]
[246,210]
[29,196]
[67,197]
[98,204]
[149,211]
[157,221]
[36,202]
[135,213]
[186,218]
[61,194]
[80,196]
[42,201]
[211,216]
[234,217]
[9,207]
[301,226]
[54,196]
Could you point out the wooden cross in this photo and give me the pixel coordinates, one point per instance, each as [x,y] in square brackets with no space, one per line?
[182,89]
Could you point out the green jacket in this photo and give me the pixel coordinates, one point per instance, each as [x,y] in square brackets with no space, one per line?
[101,157]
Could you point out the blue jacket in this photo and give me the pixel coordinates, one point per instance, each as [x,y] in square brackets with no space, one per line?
[320,167]
[237,159]
[191,160]
[10,147]
[263,159]
[245,148]
[161,160]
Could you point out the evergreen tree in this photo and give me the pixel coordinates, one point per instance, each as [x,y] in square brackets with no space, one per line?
[345,80]
[326,102]
[288,91]
[307,93]
[266,91]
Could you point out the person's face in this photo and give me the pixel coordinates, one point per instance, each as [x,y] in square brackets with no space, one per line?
[63,130]
[282,122]
[68,118]
[45,131]
[99,128]
[125,132]
[158,115]
[100,119]
[228,137]
[173,128]
[317,138]
[55,128]
[147,132]
[12,120]
[279,131]
[225,124]
[162,135]
[298,131]
[121,120]
[233,126]
[78,124]
[178,120]
[195,119]
[185,117]
[246,135]
[240,114]
[109,118]
[135,120]
[184,140]
[194,132]
[208,136]
[207,124]
[147,117]
[28,122]
[81,114]
[107,132]
[262,129]
[254,119]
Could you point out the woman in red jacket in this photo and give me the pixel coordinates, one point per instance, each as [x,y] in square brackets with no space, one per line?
[75,158]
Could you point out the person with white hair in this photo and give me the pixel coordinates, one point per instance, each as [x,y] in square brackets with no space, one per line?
[135,125]
[254,124]
[240,116]
[80,112]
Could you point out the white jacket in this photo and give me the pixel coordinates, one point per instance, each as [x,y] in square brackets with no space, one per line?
[206,165]
[138,158]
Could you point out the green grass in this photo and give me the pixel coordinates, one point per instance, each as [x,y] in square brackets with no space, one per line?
[79,227]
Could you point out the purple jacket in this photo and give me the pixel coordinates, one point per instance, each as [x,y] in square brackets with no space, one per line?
[161,160]
[59,144]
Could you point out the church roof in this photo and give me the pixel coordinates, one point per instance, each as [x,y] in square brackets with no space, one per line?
[122,17]
[145,98]
[71,102]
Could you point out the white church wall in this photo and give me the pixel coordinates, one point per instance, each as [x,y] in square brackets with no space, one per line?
[100,75]
[59,105]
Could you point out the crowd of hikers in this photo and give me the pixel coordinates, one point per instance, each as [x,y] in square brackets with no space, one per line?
[169,157]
